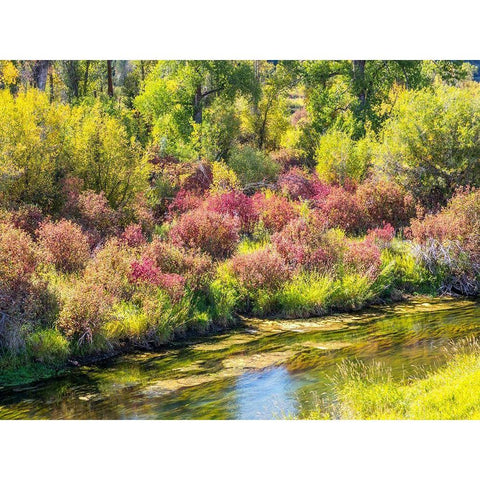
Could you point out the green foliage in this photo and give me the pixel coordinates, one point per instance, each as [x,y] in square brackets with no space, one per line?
[253,165]
[33,147]
[430,142]
[339,158]
[105,157]
[48,346]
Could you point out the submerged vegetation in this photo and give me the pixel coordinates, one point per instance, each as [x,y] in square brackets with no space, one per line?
[154,199]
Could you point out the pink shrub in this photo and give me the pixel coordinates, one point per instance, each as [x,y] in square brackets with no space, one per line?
[383,201]
[96,213]
[274,211]
[309,244]
[208,231]
[296,184]
[184,201]
[133,235]
[24,299]
[363,257]
[236,204]
[18,261]
[381,236]
[28,218]
[195,267]
[173,284]
[64,244]
[341,209]
[260,269]
[146,271]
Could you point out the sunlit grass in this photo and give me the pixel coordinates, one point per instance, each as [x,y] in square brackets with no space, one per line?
[450,393]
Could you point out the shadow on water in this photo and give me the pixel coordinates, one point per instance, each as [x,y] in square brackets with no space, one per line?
[268,369]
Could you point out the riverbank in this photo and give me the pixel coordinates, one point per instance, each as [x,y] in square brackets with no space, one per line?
[262,369]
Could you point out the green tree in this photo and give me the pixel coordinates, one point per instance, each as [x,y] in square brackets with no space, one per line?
[431,142]
[176,94]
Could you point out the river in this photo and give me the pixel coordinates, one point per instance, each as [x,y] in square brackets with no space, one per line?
[264,369]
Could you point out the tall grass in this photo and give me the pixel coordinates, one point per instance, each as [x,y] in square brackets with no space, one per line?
[450,393]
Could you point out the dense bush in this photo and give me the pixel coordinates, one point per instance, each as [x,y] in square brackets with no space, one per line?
[236,204]
[449,242]
[211,232]
[84,311]
[28,218]
[260,269]
[274,212]
[384,201]
[24,301]
[252,166]
[194,266]
[297,184]
[342,210]
[309,243]
[64,245]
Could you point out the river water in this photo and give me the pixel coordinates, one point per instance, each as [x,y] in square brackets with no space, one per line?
[265,369]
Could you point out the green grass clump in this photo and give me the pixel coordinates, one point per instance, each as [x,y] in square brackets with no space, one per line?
[48,346]
[451,393]
[406,272]
[306,294]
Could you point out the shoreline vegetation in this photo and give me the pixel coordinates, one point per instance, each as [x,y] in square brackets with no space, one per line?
[192,192]
[369,392]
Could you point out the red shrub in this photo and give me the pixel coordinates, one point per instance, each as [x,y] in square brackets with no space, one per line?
[18,261]
[199,179]
[236,204]
[184,201]
[133,235]
[341,210]
[308,243]
[64,244]
[381,236]
[28,218]
[195,267]
[383,201]
[23,295]
[363,257]
[173,284]
[459,221]
[146,271]
[274,211]
[211,232]
[296,184]
[260,269]
[96,213]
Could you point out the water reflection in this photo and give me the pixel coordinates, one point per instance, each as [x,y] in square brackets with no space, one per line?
[265,395]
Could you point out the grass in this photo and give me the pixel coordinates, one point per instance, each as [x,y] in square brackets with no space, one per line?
[450,393]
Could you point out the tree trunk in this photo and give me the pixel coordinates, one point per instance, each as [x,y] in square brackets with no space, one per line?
[197,105]
[85,78]
[40,73]
[359,79]
[52,92]
[110,79]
